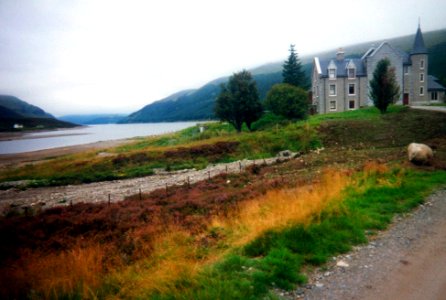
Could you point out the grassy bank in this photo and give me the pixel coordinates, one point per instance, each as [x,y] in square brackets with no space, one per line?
[190,148]
[235,236]
[238,245]
[276,257]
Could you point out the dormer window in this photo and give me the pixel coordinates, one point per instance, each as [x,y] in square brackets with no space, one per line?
[351,73]
[351,69]
[331,70]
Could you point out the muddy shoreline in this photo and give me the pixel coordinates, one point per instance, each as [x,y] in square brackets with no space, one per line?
[8,160]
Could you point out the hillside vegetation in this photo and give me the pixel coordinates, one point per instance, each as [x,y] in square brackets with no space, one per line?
[15,111]
[234,236]
[198,104]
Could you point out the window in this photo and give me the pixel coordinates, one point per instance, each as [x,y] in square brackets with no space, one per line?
[351,73]
[421,90]
[351,89]
[406,69]
[421,77]
[332,90]
[434,95]
[332,73]
[422,64]
[333,105]
[351,104]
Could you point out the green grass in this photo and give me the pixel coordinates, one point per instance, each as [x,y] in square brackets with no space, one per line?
[275,259]
[359,128]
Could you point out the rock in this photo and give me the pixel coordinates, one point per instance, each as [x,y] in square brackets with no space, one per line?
[420,154]
[284,155]
[342,264]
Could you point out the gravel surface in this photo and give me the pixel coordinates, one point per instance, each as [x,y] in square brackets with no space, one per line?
[407,261]
[47,197]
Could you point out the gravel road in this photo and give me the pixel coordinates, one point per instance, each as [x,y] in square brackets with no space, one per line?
[407,261]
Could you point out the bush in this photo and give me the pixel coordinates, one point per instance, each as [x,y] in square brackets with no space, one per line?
[288,101]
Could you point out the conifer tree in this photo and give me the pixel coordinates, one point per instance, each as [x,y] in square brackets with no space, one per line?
[384,89]
[292,70]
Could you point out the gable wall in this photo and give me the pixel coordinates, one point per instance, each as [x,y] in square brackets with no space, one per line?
[396,61]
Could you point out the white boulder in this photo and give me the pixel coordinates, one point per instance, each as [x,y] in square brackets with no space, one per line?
[420,154]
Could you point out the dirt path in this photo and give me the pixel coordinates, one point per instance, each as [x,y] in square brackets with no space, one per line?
[408,261]
[47,197]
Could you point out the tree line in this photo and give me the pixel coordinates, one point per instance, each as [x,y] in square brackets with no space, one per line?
[238,102]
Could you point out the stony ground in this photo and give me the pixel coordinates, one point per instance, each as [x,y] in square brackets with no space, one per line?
[117,190]
[407,261]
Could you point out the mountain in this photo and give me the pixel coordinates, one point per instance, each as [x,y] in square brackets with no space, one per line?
[23,108]
[194,104]
[93,119]
[16,114]
[198,104]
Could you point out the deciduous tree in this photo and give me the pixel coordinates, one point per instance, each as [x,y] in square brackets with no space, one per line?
[238,101]
[288,101]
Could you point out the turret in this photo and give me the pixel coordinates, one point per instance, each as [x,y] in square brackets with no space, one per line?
[419,60]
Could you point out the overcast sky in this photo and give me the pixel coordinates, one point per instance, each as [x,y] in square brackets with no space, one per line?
[116,56]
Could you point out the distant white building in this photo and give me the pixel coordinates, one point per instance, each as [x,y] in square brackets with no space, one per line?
[341,84]
[18,126]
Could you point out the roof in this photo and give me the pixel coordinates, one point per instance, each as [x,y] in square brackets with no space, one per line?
[341,67]
[433,85]
[418,44]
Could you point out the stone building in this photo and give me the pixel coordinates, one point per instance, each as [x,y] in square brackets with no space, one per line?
[341,84]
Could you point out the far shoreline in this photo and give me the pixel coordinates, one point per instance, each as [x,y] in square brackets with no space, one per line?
[33,156]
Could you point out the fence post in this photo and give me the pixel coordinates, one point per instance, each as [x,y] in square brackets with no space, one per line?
[188,182]
[226,169]
[140,195]
[240,165]
[109,196]
[209,175]
[166,190]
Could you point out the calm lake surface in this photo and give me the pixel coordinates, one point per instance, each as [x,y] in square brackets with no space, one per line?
[34,141]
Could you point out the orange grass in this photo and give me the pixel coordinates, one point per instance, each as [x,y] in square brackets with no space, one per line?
[174,256]
[177,254]
[280,208]
[78,270]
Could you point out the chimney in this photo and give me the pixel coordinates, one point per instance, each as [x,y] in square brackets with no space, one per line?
[340,54]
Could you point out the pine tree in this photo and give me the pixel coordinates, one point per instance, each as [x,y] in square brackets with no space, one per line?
[292,70]
[384,89]
[238,101]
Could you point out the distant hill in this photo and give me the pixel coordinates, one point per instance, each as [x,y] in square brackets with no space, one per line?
[23,108]
[14,111]
[93,119]
[198,104]
[194,104]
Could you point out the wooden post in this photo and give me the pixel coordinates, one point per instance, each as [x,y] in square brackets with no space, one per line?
[109,198]
[188,182]
[140,195]
[240,165]
[226,169]
[209,175]
[166,190]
